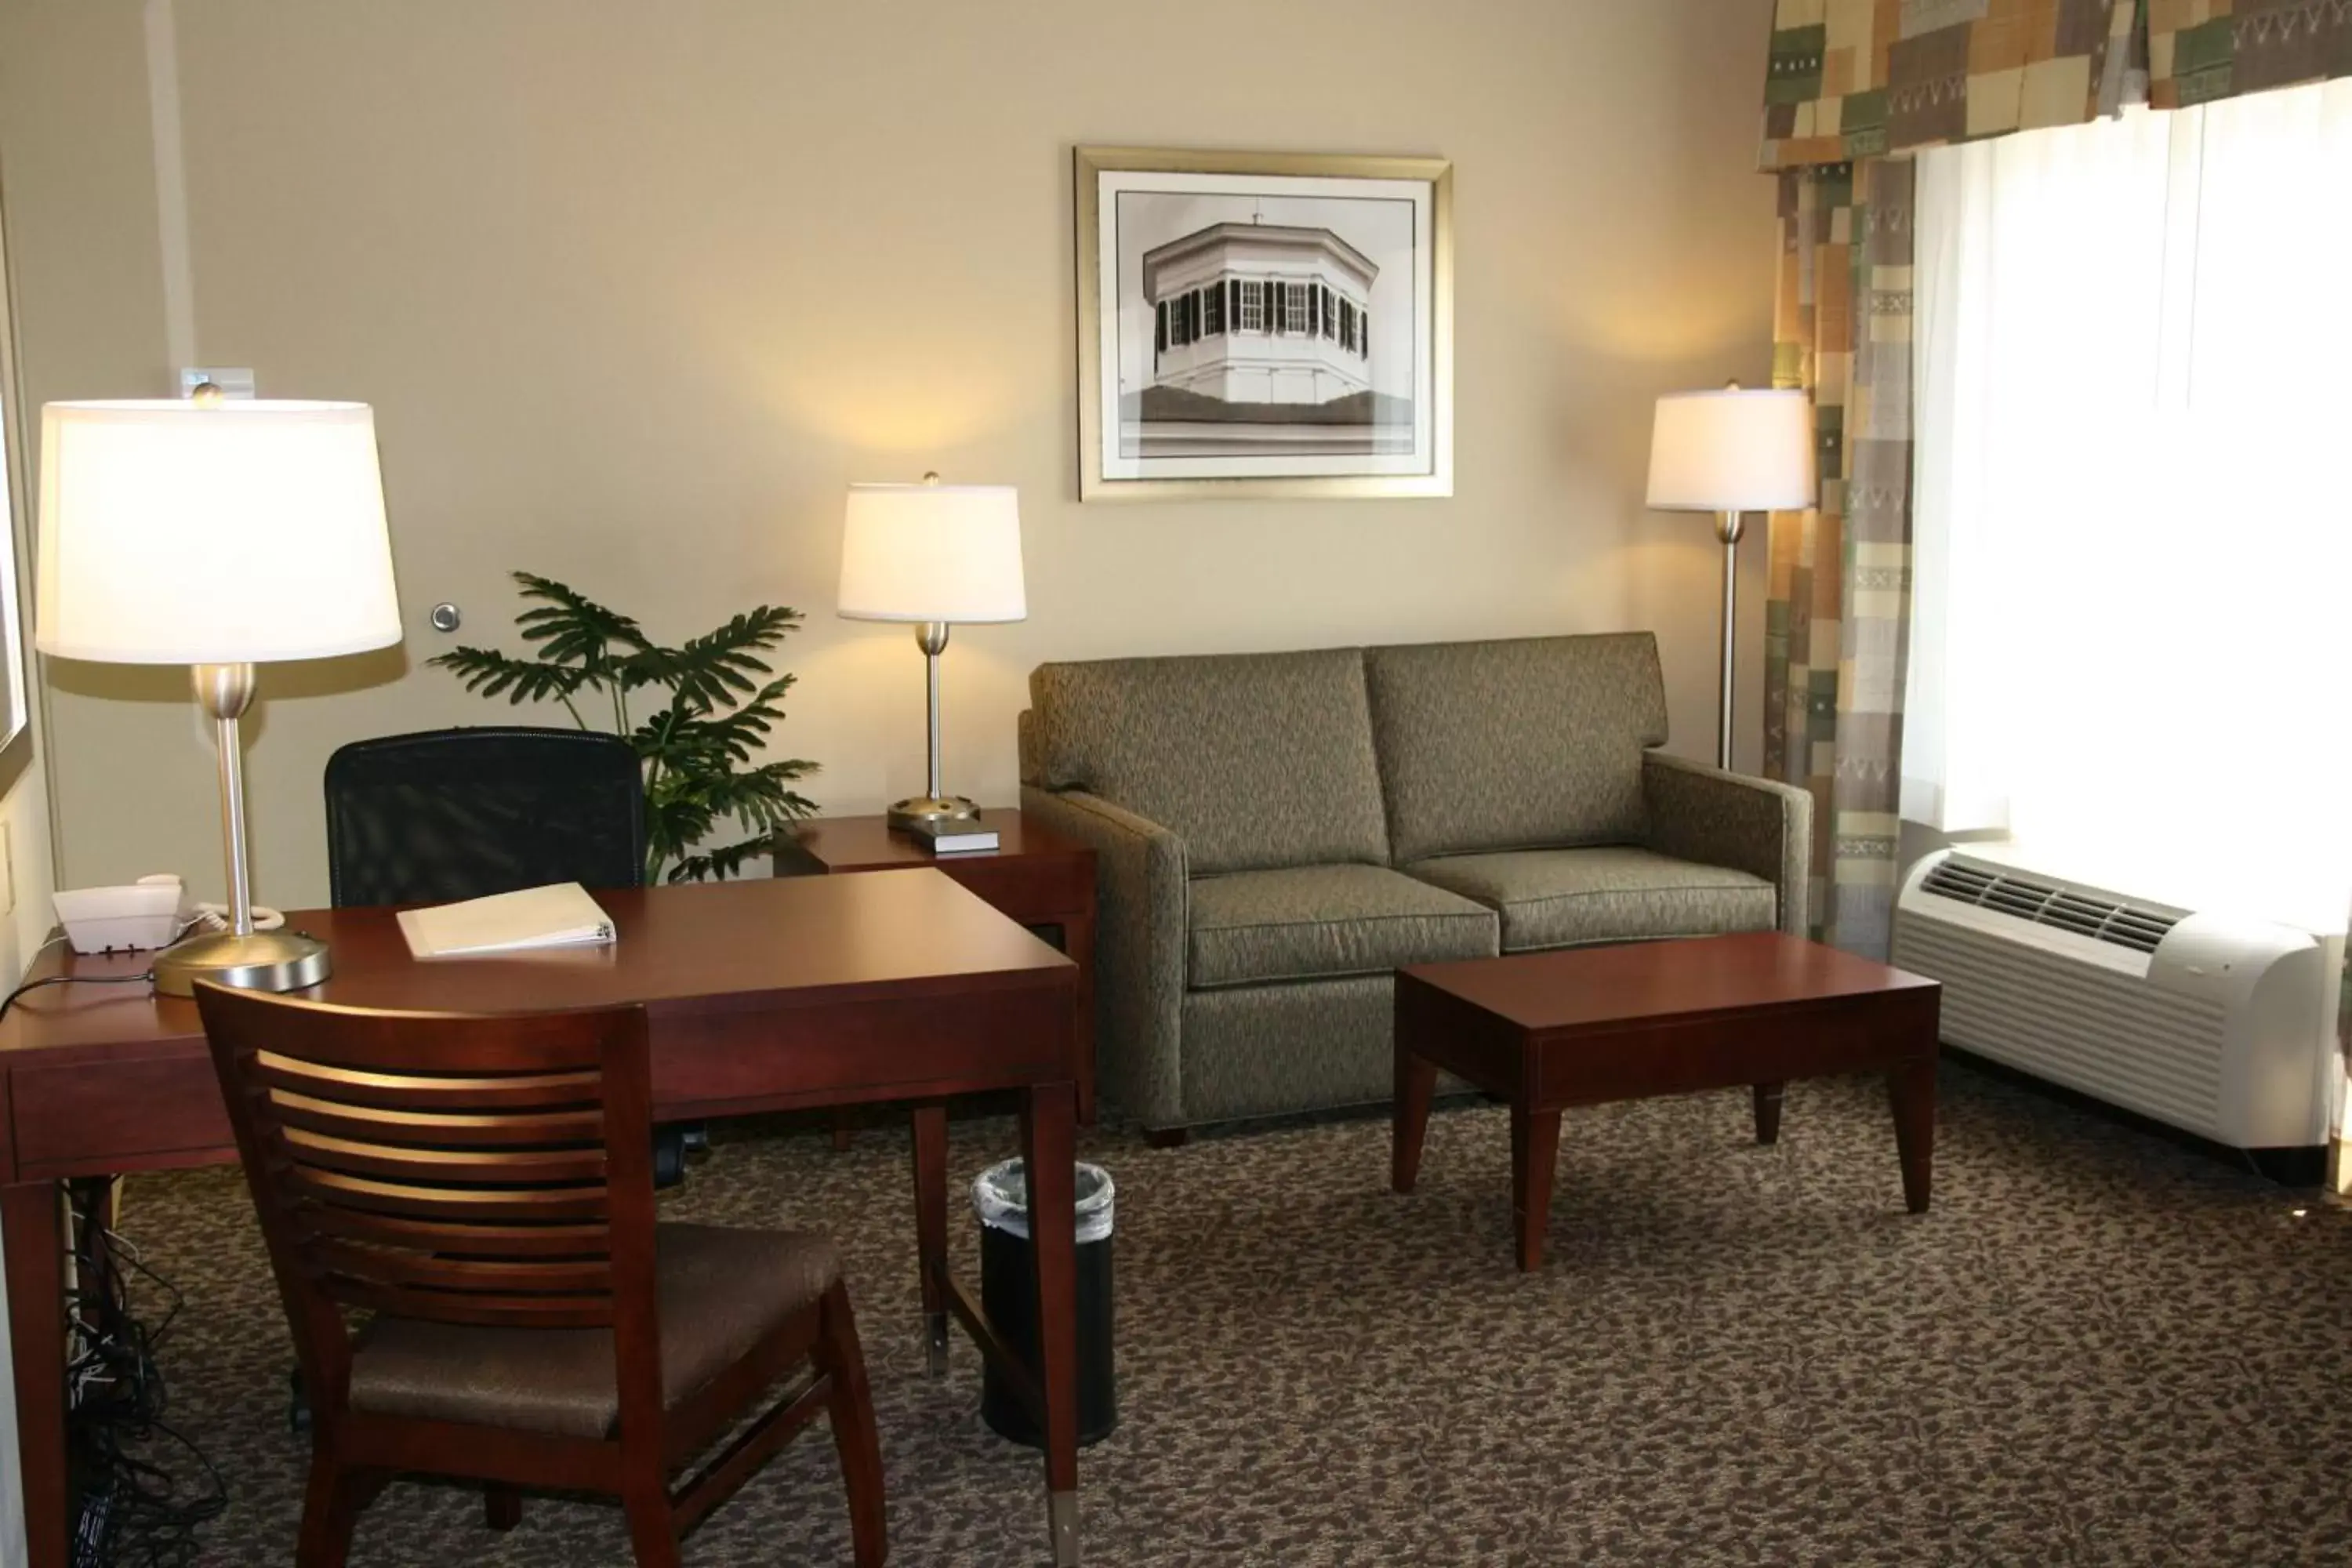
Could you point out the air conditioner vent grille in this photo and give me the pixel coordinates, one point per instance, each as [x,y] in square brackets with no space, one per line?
[2045,903]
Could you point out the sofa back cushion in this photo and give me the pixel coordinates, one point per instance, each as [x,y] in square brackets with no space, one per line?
[1530,743]
[1254,760]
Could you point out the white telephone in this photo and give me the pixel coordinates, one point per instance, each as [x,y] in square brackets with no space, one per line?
[151,912]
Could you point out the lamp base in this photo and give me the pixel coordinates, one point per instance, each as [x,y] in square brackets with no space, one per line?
[930,811]
[265,961]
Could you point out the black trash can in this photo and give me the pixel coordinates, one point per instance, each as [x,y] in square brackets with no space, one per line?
[1008,1293]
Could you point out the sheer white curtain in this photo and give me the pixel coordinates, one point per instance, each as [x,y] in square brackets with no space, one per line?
[2133,547]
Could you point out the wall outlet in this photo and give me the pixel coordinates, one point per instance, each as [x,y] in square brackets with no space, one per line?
[234,381]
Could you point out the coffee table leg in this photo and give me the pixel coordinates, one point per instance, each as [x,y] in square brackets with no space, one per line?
[1534,1154]
[1912,1089]
[1768,1111]
[1416,1081]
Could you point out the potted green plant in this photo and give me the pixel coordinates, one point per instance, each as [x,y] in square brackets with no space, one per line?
[699,749]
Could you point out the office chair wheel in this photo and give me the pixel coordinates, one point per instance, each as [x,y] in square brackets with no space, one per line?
[670,1156]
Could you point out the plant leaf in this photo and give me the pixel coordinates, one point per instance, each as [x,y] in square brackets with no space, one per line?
[570,627]
[487,672]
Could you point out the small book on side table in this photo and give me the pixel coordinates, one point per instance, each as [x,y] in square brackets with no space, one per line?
[953,838]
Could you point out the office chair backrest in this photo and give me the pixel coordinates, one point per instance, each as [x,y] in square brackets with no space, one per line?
[448,1167]
[461,813]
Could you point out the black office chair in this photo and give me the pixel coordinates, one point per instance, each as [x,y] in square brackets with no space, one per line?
[444,814]
[462,814]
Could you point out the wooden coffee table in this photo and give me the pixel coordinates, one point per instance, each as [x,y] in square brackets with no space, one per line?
[1585,1025]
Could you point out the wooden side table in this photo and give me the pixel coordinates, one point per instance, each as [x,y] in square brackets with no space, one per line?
[1034,876]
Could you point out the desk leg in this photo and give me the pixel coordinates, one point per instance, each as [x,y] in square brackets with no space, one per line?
[35,1238]
[1078,943]
[1049,1147]
[932,1228]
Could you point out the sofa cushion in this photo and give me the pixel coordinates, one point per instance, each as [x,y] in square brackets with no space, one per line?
[1253,760]
[1557,898]
[1248,928]
[1525,744]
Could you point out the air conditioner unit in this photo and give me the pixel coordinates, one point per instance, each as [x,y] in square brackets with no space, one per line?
[2223,1027]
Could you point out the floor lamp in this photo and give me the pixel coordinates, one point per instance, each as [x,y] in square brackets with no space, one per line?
[1731,452]
[217,534]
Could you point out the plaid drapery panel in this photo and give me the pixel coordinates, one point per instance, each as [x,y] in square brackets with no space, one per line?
[1838,617]
[1863,78]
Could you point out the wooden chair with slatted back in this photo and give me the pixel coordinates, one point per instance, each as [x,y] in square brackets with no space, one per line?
[480,1189]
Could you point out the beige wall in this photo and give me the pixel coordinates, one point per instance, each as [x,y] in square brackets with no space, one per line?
[636,289]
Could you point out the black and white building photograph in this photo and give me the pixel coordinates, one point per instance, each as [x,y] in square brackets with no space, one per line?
[1281,329]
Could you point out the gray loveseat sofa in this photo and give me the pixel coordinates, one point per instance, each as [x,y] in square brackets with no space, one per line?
[1277,833]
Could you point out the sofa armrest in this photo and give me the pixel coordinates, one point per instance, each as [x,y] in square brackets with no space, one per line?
[1141,892]
[1718,818]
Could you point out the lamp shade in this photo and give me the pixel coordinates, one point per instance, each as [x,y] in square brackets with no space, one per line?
[1732,451]
[932,553]
[185,533]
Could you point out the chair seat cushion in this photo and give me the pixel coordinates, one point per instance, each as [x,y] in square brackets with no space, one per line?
[1313,922]
[1559,898]
[721,1290]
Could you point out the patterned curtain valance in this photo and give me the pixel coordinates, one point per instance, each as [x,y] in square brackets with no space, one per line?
[1864,78]
[2198,50]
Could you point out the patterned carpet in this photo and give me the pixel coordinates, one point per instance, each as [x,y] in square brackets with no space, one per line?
[2098,1349]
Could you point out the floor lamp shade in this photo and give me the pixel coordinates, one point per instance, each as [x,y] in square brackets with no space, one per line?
[219,535]
[228,532]
[1731,452]
[933,554]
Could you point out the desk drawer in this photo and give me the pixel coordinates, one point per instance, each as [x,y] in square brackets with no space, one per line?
[102,1117]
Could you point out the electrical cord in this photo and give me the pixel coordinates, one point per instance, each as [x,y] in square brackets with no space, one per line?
[134,1511]
[148,978]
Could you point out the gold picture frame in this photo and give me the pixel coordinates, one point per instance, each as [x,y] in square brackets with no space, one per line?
[1215,426]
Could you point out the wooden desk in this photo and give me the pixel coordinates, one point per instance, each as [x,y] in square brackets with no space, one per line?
[761,996]
[1035,875]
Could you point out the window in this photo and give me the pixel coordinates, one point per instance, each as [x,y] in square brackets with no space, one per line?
[2129,540]
[1253,308]
[1293,308]
[1347,324]
[1212,315]
[1330,314]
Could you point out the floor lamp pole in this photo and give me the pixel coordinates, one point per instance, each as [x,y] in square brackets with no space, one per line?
[1728,525]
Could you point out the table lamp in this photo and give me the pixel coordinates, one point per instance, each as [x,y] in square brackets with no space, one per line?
[1731,452]
[934,555]
[219,535]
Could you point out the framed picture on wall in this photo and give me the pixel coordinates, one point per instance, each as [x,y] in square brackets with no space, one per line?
[1262,324]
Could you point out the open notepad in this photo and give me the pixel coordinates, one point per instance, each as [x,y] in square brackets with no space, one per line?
[561,914]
